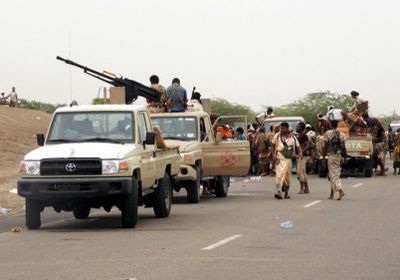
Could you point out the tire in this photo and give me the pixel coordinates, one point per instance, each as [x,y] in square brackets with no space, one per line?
[221,186]
[129,212]
[368,173]
[193,187]
[368,168]
[162,197]
[32,212]
[81,212]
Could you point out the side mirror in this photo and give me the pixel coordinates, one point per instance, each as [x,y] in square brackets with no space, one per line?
[40,139]
[150,138]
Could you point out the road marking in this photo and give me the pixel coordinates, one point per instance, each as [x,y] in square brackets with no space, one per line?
[246,194]
[312,203]
[357,185]
[222,242]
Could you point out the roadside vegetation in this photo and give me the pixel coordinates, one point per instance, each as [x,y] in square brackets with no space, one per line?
[313,104]
[222,107]
[308,107]
[37,105]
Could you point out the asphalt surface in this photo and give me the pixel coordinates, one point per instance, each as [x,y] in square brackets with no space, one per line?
[357,238]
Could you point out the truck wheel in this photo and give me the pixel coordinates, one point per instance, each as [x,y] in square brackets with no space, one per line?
[129,211]
[193,187]
[368,173]
[162,197]
[81,212]
[32,212]
[221,186]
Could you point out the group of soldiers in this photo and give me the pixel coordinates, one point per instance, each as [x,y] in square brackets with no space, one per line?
[174,98]
[274,148]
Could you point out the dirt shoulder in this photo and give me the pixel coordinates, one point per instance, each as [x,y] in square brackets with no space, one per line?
[18,129]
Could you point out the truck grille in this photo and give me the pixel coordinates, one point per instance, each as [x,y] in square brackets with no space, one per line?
[72,166]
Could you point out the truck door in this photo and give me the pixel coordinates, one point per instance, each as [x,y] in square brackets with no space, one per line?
[147,161]
[227,157]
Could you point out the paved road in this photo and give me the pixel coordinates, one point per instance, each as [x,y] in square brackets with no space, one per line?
[357,238]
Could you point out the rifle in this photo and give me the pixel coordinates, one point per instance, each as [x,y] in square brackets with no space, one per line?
[133,89]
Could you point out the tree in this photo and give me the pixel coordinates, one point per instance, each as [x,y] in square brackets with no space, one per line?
[313,104]
[386,120]
[41,106]
[98,100]
[223,108]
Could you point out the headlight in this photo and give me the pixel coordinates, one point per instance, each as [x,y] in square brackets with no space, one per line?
[31,167]
[113,166]
[187,158]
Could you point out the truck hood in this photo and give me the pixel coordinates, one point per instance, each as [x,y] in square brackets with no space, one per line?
[81,150]
[184,146]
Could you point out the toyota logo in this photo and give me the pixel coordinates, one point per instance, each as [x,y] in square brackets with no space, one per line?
[70,167]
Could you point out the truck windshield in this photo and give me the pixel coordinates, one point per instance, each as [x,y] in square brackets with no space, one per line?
[177,128]
[115,127]
[271,122]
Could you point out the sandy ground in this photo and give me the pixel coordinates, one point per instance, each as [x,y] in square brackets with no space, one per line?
[18,129]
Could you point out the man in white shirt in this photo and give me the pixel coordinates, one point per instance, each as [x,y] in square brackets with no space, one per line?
[13,98]
[334,114]
[265,115]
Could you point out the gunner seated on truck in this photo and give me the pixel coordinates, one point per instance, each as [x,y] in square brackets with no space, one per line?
[176,97]
[156,106]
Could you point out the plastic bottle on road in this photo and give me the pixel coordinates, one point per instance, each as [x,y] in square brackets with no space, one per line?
[287,224]
[4,211]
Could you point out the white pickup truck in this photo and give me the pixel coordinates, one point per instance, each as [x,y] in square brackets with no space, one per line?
[98,156]
[205,159]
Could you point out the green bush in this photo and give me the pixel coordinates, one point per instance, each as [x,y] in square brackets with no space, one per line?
[37,105]
[223,108]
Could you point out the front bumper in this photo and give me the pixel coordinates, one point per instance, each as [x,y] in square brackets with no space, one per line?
[186,173]
[61,188]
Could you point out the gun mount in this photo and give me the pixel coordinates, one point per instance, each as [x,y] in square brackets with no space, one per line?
[133,89]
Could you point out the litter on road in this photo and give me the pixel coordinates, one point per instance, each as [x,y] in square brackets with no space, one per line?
[287,224]
[4,211]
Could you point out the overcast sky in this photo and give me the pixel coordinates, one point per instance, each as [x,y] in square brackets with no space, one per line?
[249,52]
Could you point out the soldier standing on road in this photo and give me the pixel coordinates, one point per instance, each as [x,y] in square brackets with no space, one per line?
[261,144]
[305,145]
[396,153]
[284,145]
[251,135]
[391,136]
[375,128]
[334,147]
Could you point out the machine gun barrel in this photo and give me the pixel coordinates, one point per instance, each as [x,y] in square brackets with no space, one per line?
[133,89]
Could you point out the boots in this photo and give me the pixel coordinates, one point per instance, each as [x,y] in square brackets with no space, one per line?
[331,196]
[301,188]
[306,189]
[341,194]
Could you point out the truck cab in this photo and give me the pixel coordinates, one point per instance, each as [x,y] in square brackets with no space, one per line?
[204,158]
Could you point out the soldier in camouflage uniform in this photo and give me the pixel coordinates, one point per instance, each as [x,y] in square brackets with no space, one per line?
[334,147]
[305,145]
[284,146]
